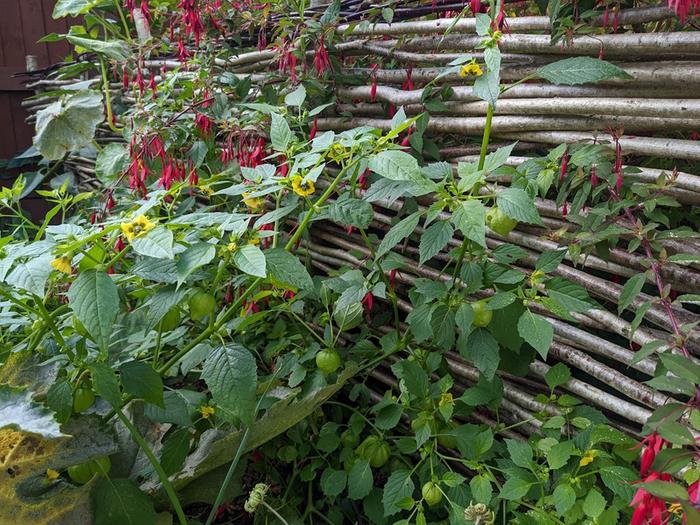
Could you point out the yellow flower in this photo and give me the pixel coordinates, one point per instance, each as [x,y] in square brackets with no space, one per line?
[255,204]
[206,411]
[302,187]
[232,246]
[445,399]
[62,264]
[472,68]
[588,458]
[254,241]
[52,474]
[139,226]
[675,508]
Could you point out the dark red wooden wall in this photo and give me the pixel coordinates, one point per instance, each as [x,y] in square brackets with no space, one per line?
[22,24]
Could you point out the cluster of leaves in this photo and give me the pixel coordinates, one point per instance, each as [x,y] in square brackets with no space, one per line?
[173,324]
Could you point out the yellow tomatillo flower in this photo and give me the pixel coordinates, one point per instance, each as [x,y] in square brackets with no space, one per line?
[588,458]
[471,68]
[675,508]
[232,246]
[254,241]
[62,264]
[139,226]
[207,411]
[52,474]
[255,204]
[302,187]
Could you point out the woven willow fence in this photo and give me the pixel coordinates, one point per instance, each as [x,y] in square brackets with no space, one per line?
[381,67]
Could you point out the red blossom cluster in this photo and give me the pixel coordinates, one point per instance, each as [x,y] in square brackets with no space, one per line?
[287,60]
[683,7]
[247,150]
[322,61]
[191,19]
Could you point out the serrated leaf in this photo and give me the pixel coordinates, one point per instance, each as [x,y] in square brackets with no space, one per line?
[251,260]
[296,98]
[59,398]
[483,351]
[333,482]
[105,383]
[580,70]
[94,298]
[280,133]
[564,498]
[557,375]
[397,487]
[470,219]
[142,381]
[351,212]
[360,479]
[230,372]
[157,243]
[31,276]
[194,257]
[398,232]
[518,205]
[111,161]
[487,87]
[176,446]
[536,331]
[65,8]
[434,239]
[287,269]
[121,501]
[397,165]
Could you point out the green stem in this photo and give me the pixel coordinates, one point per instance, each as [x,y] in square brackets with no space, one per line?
[275,513]
[108,97]
[170,491]
[127,32]
[486,137]
[229,475]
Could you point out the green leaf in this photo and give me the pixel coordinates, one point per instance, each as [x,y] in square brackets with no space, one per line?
[398,487]
[671,492]
[559,454]
[120,501]
[115,49]
[59,398]
[73,7]
[142,381]
[482,491]
[558,375]
[68,124]
[360,479]
[105,383]
[470,218]
[413,376]
[287,269]
[518,205]
[176,446]
[111,161]
[398,232]
[157,243]
[180,407]
[594,504]
[18,411]
[94,298]
[549,261]
[231,374]
[681,366]
[251,260]
[434,239]
[396,165]
[487,87]
[351,212]
[31,276]
[280,134]
[520,453]
[564,498]
[194,257]
[296,98]
[333,482]
[619,480]
[514,488]
[580,70]
[483,350]
[630,291]
[536,331]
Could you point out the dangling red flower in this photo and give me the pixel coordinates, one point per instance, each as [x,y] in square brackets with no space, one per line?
[565,209]
[314,129]
[368,302]
[564,167]
[594,177]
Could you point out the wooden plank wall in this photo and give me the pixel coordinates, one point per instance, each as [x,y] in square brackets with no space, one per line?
[22,24]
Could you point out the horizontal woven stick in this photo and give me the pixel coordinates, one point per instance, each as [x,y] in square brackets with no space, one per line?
[631,145]
[399,97]
[519,24]
[654,44]
[511,124]
[642,107]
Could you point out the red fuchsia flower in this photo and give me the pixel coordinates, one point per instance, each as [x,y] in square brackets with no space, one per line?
[391,111]
[287,61]
[153,86]
[683,7]
[475,6]
[110,202]
[694,135]
[119,245]
[649,509]
[182,53]
[594,176]
[501,24]
[606,16]
[190,16]
[694,494]
[616,21]
[373,89]
[129,5]
[601,54]
[145,10]
[193,178]
[140,82]
[265,241]
[288,295]
[349,230]
[564,167]
[228,295]
[652,444]
[314,129]
[392,277]
[362,179]
[322,61]
[93,217]
[251,307]
[565,209]
[125,77]
[283,167]
[368,302]
[408,84]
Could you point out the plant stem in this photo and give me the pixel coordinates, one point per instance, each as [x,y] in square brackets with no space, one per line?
[127,32]
[170,491]
[275,513]
[486,137]
[108,97]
